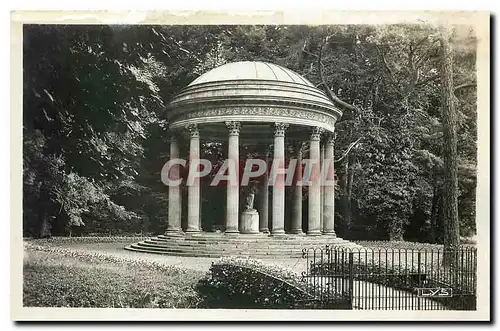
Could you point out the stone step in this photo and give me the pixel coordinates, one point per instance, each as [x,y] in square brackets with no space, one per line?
[226,249]
[245,240]
[250,251]
[220,244]
[240,237]
[269,246]
[278,242]
[262,243]
[213,253]
[332,242]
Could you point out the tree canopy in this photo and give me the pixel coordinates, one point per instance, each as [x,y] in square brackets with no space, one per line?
[95,131]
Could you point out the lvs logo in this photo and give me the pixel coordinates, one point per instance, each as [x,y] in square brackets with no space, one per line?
[441,292]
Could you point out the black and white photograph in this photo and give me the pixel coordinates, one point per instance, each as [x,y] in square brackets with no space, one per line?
[319,168]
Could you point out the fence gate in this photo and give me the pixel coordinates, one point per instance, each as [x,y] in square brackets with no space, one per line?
[392,279]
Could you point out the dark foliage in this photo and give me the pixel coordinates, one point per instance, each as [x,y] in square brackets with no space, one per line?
[247,284]
[95,136]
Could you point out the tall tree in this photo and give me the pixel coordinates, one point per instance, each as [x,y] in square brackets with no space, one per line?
[450,192]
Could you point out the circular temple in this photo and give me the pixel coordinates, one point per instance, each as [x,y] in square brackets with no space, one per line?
[257,92]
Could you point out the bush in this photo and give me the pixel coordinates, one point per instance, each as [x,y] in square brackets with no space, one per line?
[249,284]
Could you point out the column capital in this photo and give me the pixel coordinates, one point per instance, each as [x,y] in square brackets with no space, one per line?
[234,128]
[316,133]
[279,129]
[193,130]
[173,138]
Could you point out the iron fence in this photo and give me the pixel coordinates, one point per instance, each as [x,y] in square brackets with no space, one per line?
[393,279]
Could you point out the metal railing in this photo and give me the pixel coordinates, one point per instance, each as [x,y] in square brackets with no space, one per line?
[393,279]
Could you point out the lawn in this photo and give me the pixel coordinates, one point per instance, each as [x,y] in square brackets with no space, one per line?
[62,278]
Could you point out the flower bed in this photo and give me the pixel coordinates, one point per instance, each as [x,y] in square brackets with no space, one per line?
[96,257]
[87,239]
[59,277]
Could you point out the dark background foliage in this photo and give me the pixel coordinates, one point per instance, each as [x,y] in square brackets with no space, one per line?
[95,136]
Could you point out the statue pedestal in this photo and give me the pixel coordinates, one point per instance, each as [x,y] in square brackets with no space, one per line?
[249,222]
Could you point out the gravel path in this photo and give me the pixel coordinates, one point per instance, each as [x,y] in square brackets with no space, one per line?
[194,263]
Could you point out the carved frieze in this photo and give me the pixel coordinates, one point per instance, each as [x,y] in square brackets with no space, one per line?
[267,114]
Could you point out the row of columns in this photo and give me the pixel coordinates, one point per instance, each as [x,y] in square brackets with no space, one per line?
[320,201]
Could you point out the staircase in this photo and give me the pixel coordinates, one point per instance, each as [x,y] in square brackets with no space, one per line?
[209,244]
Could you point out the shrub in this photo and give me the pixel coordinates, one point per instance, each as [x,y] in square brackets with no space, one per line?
[246,283]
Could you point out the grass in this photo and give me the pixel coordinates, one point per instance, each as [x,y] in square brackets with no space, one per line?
[59,278]
[407,244]
[397,245]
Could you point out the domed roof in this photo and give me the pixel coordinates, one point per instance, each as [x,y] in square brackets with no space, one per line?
[251,70]
[253,93]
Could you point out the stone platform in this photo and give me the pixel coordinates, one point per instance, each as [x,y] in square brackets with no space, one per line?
[208,244]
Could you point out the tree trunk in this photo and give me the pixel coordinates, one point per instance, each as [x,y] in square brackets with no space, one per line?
[347,205]
[450,187]
[350,178]
[44,211]
[434,215]
[44,231]
[395,235]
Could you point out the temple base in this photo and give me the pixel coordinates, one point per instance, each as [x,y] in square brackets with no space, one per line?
[209,244]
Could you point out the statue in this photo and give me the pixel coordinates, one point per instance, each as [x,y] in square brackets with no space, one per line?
[250,196]
[249,222]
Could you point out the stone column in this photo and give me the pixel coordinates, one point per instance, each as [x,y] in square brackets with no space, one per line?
[329,204]
[315,186]
[233,189]
[264,199]
[322,190]
[193,218]
[278,209]
[174,192]
[297,192]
